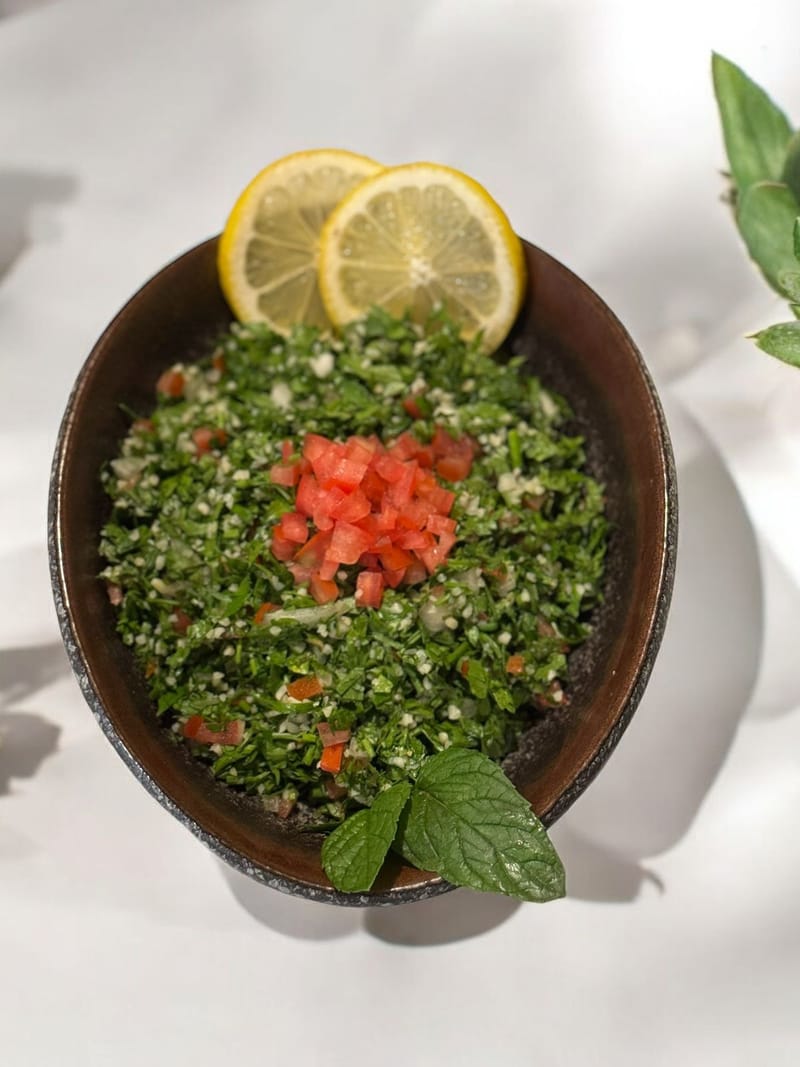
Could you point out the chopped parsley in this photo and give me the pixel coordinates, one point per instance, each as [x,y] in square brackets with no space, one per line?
[460,659]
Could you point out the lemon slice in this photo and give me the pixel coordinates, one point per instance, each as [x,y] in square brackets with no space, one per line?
[413,237]
[267,257]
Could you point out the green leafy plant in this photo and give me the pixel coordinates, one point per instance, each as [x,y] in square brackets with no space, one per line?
[462,818]
[764,158]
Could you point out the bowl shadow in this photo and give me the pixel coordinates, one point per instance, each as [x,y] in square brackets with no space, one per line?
[699,691]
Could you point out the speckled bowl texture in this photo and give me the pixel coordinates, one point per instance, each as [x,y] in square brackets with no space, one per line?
[573,342]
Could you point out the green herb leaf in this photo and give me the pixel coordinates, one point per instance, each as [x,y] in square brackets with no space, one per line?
[797,239]
[781,341]
[766,218]
[467,822]
[789,281]
[477,679]
[791,168]
[756,131]
[354,853]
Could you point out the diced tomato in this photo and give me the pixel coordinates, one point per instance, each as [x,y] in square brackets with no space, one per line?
[143,426]
[400,491]
[328,569]
[446,542]
[394,559]
[308,494]
[369,561]
[196,730]
[323,590]
[352,507]
[171,384]
[440,524]
[433,558]
[405,447]
[313,551]
[394,578]
[218,362]
[315,446]
[304,688]
[330,737]
[454,468]
[416,540]
[348,542]
[332,756]
[441,500]
[180,621]
[294,527]
[263,610]
[205,439]
[411,407]
[425,457]
[416,572]
[360,450]
[192,725]
[287,450]
[282,547]
[515,664]
[464,668]
[387,517]
[300,573]
[369,589]
[373,486]
[285,474]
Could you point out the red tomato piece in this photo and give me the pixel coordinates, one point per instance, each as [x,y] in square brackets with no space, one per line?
[394,559]
[192,725]
[171,384]
[348,542]
[416,540]
[387,517]
[411,407]
[441,500]
[263,610]
[282,548]
[405,447]
[373,486]
[351,507]
[394,578]
[314,446]
[180,621]
[313,551]
[389,467]
[323,590]
[332,756]
[328,569]
[287,474]
[143,426]
[294,527]
[369,589]
[454,468]
[304,688]
[287,450]
[308,494]
[416,572]
[515,664]
[440,524]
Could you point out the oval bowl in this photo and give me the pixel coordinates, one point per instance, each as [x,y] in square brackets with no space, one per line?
[574,343]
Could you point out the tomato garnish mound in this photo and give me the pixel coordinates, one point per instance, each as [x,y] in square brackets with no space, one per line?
[378,507]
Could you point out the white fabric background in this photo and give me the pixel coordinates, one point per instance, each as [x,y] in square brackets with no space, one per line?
[126,131]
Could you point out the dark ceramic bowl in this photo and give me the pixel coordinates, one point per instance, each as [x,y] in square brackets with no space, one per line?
[577,346]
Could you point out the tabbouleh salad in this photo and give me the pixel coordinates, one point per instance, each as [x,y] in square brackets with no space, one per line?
[314,666]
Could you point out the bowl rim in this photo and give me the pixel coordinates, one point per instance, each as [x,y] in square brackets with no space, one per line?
[429,885]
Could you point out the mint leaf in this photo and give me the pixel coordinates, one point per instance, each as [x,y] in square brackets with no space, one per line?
[791,167]
[467,822]
[781,341]
[354,853]
[789,281]
[766,218]
[755,130]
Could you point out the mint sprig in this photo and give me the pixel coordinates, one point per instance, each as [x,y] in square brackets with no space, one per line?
[464,820]
[764,157]
[354,853]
